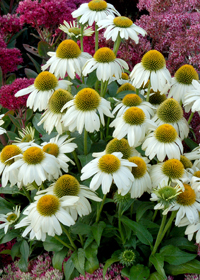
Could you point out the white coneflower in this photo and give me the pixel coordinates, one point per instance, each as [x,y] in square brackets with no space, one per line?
[68,59]
[2,130]
[9,218]
[85,111]
[73,29]
[94,11]
[108,169]
[153,68]
[134,124]
[192,97]
[182,82]
[120,25]
[163,142]
[44,86]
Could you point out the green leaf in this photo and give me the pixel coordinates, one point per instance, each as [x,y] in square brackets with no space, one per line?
[35,63]
[125,272]
[43,48]
[78,258]
[92,262]
[144,206]
[29,114]
[30,73]
[85,159]
[24,250]
[15,251]
[6,252]
[11,190]
[97,230]
[10,79]
[156,276]
[139,272]
[36,120]
[69,269]
[142,233]
[108,264]
[190,143]
[58,258]
[14,121]
[52,244]
[5,206]
[126,205]
[80,227]
[89,240]
[112,88]
[123,93]
[91,80]
[158,261]
[11,135]
[181,243]
[79,140]
[31,49]
[173,255]
[189,267]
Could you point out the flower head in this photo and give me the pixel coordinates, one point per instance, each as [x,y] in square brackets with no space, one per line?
[82,111]
[10,218]
[94,11]
[2,130]
[68,59]
[127,257]
[73,29]
[153,68]
[108,169]
[191,98]
[44,86]
[122,26]
[26,135]
[106,65]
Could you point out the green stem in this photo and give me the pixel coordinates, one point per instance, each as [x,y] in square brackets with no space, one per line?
[85,141]
[69,237]
[131,210]
[35,185]
[148,91]
[190,118]
[100,209]
[62,242]
[173,215]
[120,225]
[137,91]
[105,88]
[158,239]
[154,215]
[81,39]
[117,44]
[107,127]
[27,194]
[102,88]
[81,240]
[77,161]
[42,186]
[96,37]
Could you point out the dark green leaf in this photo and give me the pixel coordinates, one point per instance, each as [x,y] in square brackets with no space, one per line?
[79,140]
[5,252]
[15,121]
[125,272]
[112,88]
[30,73]
[189,267]
[52,244]
[10,79]
[58,258]
[144,206]
[78,258]
[85,159]
[92,262]
[31,49]
[91,79]
[142,233]
[173,255]
[11,190]
[139,272]
[36,120]
[158,261]
[23,265]
[15,251]
[43,48]
[97,230]
[181,243]
[80,228]
[29,114]
[5,206]
[108,264]
[69,269]
[190,143]
[156,276]
[35,63]
[11,135]
[24,250]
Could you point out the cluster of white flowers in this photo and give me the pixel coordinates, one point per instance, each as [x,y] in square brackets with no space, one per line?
[157,131]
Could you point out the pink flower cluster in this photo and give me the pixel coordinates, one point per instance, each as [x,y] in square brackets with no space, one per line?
[45,13]
[173,28]
[39,269]
[9,59]
[9,24]
[7,92]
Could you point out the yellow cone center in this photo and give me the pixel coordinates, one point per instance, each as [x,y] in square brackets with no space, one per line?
[186,162]
[197,174]
[185,74]
[8,152]
[66,185]
[187,197]
[170,111]
[45,81]
[126,86]
[51,148]
[131,100]
[58,99]
[75,30]
[33,155]
[109,163]
[97,5]
[68,49]
[87,99]
[48,205]
[134,116]
[122,146]
[141,168]
[123,22]
[173,168]
[11,218]
[104,55]
[125,76]
[157,98]
[153,60]
[166,133]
